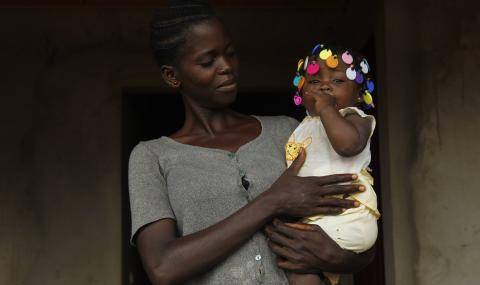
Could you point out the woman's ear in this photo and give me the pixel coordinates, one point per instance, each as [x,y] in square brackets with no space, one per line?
[169,76]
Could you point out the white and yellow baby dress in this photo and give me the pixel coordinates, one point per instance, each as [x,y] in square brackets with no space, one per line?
[356,228]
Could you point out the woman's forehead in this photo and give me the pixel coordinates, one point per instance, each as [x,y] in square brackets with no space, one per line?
[205,37]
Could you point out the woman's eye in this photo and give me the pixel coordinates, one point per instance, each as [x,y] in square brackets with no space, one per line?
[206,63]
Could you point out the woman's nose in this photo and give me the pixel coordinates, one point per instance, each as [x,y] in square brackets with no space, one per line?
[225,66]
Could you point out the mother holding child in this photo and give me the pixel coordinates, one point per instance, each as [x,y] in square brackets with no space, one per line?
[210,202]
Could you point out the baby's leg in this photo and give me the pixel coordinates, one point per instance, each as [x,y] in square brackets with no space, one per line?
[305,279]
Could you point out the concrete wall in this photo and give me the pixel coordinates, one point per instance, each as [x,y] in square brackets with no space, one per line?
[448,144]
[60,220]
[62,75]
[432,70]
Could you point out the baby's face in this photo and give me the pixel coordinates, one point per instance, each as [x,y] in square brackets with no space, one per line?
[331,81]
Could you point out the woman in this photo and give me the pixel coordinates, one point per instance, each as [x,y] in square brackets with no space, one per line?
[201,197]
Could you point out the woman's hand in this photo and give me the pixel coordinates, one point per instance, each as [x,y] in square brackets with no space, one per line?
[304,248]
[297,196]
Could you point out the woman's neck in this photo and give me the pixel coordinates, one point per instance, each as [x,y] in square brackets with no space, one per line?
[205,121]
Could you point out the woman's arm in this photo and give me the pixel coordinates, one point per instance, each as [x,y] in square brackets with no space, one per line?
[304,248]
[171,260]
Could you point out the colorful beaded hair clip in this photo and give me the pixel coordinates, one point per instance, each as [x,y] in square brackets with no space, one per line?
[358,71]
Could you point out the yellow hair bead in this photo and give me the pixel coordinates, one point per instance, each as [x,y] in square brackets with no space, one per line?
[325,53]
[299,65]
[367,98]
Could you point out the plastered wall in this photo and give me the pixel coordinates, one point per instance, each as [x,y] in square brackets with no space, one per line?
[432,70]
[445,188]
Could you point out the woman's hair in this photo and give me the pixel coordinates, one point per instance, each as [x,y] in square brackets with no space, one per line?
[170,25]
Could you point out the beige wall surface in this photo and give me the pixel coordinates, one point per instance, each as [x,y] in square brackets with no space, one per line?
[60,217]
[63,71]
[432,70]
[445,187]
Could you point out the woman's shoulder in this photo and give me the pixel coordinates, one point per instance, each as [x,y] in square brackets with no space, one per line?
[279,123]
[277,129]
[155,147]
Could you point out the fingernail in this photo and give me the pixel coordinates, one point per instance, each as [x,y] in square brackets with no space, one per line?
[361,188]
[356,203]
[354,176]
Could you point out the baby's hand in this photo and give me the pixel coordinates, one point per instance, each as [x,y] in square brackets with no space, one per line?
[322,100]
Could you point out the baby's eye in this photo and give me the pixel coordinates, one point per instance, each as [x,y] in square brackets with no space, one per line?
[313,81]
[337,80]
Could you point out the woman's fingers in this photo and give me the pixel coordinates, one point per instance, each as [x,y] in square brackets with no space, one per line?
[281,228]
[328,211]
[340,189]
[302,226]
[333,179]
[275,235]
[315,211]
[284,252]
[297,163]
[336,202]
[280,240]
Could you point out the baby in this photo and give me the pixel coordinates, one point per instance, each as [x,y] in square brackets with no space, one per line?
[332,83]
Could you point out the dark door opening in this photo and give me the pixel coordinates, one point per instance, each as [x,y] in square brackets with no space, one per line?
[149,115]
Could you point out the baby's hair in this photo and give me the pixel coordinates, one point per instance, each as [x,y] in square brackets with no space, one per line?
[339,49]
[170,25]
[358,69]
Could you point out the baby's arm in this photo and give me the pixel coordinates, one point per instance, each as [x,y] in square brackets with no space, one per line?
[348,135]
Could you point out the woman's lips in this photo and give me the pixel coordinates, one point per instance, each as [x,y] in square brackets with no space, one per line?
[227,87]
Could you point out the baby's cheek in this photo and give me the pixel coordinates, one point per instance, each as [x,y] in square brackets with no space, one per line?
[309,103]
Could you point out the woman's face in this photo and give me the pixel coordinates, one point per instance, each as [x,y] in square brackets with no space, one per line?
[208,66]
